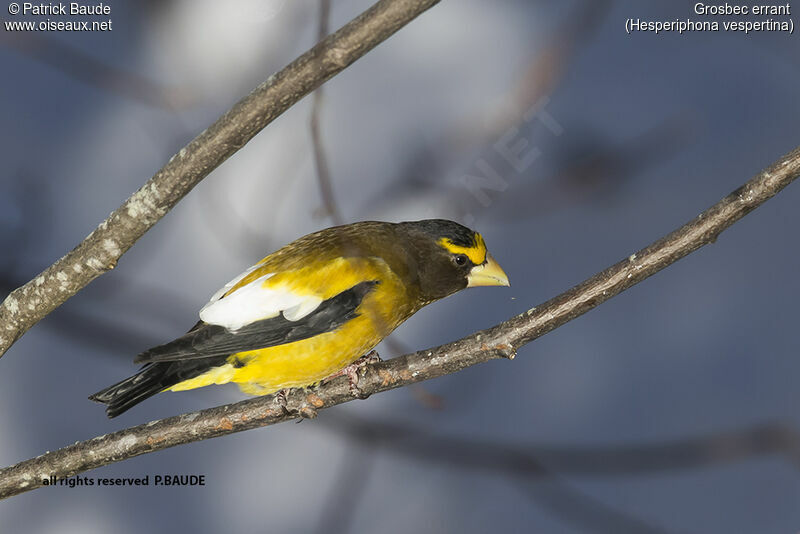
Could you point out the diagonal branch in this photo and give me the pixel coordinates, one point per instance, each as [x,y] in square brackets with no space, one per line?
[101,250]
[500,341]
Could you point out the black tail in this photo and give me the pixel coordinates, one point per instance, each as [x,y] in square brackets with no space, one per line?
[151,379]
[133,390]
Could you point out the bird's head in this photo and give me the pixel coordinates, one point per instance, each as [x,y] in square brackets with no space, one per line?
[448,257]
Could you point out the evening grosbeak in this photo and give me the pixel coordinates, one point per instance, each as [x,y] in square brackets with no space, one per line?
[312,308]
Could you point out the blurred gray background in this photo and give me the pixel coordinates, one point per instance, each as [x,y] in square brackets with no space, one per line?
[671,408]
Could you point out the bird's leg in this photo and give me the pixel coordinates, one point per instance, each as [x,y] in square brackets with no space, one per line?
[353,371]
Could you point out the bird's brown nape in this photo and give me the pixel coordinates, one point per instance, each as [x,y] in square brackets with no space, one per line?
[435,270]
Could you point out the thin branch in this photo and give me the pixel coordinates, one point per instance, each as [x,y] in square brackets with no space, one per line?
[500,341]
[581,510]
[418,391]
[101,250]
[520,460]
[348,489]
[320,159]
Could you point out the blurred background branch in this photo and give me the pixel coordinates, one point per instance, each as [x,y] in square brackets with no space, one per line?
[329,206]
[75,63]
[539,469]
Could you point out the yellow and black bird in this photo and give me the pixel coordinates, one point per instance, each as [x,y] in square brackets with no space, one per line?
[312,308]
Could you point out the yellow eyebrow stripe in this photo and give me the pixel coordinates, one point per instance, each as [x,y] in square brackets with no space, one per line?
[476,253]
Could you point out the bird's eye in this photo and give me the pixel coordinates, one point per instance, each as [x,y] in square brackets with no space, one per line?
[460,260]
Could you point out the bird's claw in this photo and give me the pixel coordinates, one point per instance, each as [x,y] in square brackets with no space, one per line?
[355,371]
[305,411]
[372,357]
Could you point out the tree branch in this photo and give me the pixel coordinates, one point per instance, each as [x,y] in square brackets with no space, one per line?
[320,159]
[716,449]
[101,250]
[500,341]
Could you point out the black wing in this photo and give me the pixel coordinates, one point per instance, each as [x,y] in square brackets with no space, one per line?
[211,341]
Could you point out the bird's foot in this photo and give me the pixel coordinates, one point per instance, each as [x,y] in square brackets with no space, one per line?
[305,411]
[282,401]
[355,371]
[369,358]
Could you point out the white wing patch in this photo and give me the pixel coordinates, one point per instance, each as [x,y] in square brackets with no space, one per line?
[303,308]
[224,289]
[253,302]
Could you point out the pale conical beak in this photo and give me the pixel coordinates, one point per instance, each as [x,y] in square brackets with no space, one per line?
[488,274]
